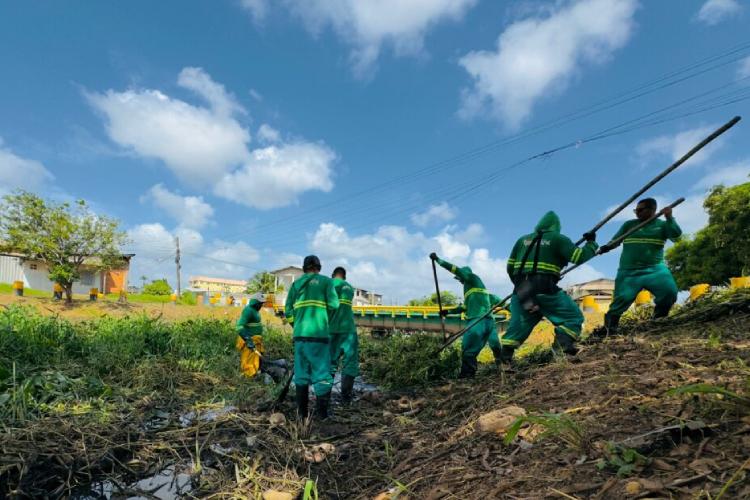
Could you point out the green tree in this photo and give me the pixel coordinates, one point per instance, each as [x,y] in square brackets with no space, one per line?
[63,236]
[158,287]
[721,250]
[263,282]
[448,298]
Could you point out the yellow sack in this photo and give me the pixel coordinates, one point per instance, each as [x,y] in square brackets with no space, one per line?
[249,358]
[240,343]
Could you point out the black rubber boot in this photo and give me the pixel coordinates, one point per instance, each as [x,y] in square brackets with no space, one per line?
[564,344]
[321,406]
[468,368]
[347,388]
[303,397]
[611,324]
[662,311]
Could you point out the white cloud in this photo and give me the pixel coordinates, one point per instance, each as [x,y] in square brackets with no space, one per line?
[188,211]
[674,146]
[258,8]
[198,144]
[154,247]
[439,213]
[17,172]
[581,274]
[394,261]
[537,56]
[714,11]
[276,175]
[369,25]
[744,70]
[730,175]
[268,134]
[207,147]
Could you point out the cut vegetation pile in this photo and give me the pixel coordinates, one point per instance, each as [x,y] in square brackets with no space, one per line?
[659,413]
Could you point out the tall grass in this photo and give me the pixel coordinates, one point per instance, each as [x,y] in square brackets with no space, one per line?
[45,359]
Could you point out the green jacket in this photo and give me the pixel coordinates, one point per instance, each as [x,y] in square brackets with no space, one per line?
[645,247]
[343,319]
[477,300]
[555,250]
[249,323]
[310,302]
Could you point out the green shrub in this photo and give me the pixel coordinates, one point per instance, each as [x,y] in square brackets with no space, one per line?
[407,360]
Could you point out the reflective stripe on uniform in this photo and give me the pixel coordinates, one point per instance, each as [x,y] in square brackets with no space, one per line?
[568,331]
[645,241]
[475,290]
[453,269]
[310,303]
[540,265]
[509,342]
[345,302]
[576,255]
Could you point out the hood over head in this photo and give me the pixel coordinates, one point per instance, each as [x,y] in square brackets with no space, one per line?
[549,223]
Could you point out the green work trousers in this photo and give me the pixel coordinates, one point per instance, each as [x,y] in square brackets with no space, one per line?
[557,307]
[312,366]
[656,279]
[345,350]
[475,337]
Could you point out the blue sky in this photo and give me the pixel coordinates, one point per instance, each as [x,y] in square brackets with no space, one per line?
[370,133]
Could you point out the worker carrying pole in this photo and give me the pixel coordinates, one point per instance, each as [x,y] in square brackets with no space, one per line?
[534,268]
[642,264]
[477,304]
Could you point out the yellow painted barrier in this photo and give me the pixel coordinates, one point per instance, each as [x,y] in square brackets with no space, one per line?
[740,282]
[18,288]
[643,298]
[698,291]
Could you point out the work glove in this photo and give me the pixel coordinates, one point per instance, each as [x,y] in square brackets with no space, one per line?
[433,256]
[590,236]
[605,249]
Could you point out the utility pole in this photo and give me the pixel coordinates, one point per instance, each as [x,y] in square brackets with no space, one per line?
[177,263]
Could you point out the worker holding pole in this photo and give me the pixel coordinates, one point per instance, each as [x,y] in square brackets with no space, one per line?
[310,302]
[477,303]
[250,337]
[642,263]
[534,267]
[344,341]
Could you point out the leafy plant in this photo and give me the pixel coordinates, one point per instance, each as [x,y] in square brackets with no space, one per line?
[621,459]
[263,282]
[158,287]
[709,389]
[558,425]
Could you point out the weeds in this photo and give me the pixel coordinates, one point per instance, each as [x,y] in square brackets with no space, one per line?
[556,425]
[706,389]
[622,460]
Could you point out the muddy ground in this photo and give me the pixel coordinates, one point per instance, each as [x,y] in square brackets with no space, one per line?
[614,433]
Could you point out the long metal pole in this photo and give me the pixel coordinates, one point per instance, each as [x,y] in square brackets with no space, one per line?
[716,133]
[439,300]
[614,243]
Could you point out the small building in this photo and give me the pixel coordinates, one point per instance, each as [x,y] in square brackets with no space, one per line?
[217,285]
[602,291]
[35,274]
[366,298]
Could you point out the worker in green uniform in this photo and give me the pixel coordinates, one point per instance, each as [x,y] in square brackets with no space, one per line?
[534,268]
[344,342]
[477,301]
[310,302]
[642,264]
[250,337]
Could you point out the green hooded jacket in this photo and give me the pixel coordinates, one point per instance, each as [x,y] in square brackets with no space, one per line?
[555,250]
[249,323]
[477,300]
[310,301]
[645,247]
[343,319]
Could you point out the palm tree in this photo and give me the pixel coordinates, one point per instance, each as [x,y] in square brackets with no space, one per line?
[263,282]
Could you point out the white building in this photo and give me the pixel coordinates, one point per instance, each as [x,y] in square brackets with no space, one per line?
[35,275]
